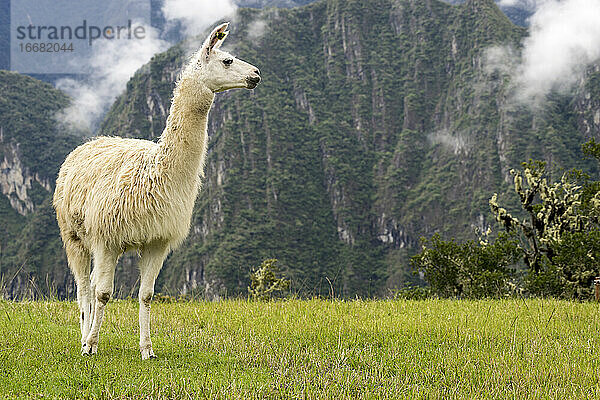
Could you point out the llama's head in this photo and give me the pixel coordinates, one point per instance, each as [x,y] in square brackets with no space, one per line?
[219,70]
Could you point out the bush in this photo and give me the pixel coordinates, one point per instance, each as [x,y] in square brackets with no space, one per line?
[469,270]
[545,282]
[553,210]
[264,281]
[559,238]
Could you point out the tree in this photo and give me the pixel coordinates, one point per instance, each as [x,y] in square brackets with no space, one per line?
[552,209]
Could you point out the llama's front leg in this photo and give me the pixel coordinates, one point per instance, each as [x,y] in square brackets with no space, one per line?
[103,280]
[150,265]
[84,298]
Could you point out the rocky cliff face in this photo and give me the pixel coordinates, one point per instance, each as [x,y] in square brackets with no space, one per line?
[17,181]
[587,103]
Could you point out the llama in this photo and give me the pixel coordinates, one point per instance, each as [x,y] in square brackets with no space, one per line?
[115,194]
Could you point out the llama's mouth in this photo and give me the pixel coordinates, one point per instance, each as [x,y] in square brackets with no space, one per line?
[252,82]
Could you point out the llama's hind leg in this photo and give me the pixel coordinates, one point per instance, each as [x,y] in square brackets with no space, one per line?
[151,262]
[79,263]
[105,261]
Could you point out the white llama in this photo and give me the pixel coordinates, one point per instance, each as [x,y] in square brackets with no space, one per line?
[113,194]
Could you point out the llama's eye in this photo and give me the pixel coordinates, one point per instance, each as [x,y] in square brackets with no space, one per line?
[228,61]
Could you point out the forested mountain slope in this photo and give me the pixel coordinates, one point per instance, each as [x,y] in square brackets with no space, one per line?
[377,122]
[32,147]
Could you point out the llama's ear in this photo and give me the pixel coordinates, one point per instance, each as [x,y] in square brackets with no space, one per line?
[214,40]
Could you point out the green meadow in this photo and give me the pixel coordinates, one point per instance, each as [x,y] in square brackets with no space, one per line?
[308,349]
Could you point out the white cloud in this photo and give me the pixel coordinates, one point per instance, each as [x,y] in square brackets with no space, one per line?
[456,142]
[114,62]
[564,39]
[111,65]
[196,15]
[257,29]
[501,59]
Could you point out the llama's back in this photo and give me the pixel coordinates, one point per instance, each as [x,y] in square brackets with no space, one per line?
[105,191]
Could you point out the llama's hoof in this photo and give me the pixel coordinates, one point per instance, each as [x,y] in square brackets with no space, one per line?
[147,354]
[88,350]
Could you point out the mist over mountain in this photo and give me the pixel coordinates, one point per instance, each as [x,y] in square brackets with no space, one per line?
[377,122]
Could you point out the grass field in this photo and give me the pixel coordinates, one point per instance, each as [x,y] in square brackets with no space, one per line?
[514,349]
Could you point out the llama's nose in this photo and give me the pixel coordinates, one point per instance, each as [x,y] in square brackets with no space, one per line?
[257,71]
[254,79]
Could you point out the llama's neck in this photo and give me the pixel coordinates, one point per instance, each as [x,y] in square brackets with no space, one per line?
[183,143]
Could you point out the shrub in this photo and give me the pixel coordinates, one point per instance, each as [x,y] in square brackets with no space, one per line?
[265,281]
[576,264]
[469,269]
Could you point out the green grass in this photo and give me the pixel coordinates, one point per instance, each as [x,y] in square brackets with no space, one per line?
[310,349]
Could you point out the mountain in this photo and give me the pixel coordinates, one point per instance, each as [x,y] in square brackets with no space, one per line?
[171,32]
[517,13]
[377,122]
[32,147]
